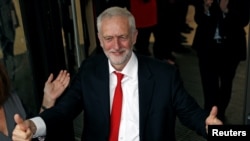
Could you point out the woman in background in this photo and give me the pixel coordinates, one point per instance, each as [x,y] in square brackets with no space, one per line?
[10,103]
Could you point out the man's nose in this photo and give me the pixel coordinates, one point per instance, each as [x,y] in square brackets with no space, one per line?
[117,43]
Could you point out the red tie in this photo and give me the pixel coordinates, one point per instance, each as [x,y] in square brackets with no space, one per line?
[116,110]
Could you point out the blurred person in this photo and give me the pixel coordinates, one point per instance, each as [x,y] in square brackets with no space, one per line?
[146,24]
[10,103]
[163,21]
[182,7]
[170,23]
[166,31]
[8,24]
[220,42]
[153,93]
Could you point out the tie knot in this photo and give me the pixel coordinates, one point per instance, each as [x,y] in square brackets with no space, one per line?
[119,76]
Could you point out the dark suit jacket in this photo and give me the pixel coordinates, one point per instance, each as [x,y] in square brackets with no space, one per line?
[232,26]
[161,97]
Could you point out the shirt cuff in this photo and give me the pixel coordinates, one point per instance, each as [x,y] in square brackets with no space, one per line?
[40,127]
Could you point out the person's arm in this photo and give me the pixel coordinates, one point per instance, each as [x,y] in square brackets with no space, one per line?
[27,129]
[54,89]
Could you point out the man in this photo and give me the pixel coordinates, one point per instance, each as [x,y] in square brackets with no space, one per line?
[153,93]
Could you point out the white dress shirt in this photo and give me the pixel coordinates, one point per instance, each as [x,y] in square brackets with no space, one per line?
[129,126]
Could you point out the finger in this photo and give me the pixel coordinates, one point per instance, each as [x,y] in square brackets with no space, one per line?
[50,78]
[213,116]
[59,76]
[66,80]
[19,120]
[213,112]
[63,75]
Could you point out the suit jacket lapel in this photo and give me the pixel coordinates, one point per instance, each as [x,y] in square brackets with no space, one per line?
[146,86]
[102,87]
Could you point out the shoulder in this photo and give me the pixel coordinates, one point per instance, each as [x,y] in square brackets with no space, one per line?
[14,98]
[93,65]
[155,64]
[94,60]
[155,67]
[15,105]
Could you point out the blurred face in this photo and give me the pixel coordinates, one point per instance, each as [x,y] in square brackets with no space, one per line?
[117,40]
[208,2]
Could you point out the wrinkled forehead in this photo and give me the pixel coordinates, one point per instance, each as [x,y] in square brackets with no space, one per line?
[116,26]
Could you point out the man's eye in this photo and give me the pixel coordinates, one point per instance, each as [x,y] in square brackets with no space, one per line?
[108,38]
[123,37]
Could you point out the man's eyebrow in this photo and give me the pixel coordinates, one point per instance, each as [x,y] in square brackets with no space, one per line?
[106,36]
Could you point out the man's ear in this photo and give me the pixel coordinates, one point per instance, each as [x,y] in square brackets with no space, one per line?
[100,39]
[135,36]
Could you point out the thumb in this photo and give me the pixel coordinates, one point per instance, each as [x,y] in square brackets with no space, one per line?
[213,112]
[212,118]
[19,120]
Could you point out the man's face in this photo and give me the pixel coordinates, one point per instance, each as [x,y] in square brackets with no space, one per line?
[117,40]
